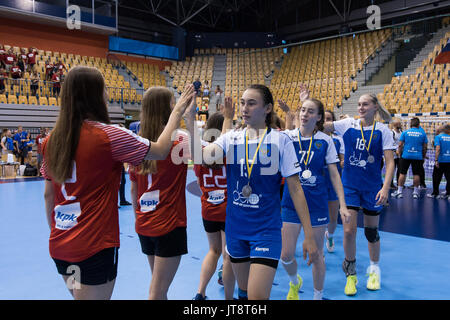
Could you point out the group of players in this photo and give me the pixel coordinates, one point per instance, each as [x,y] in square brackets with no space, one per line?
[240,172]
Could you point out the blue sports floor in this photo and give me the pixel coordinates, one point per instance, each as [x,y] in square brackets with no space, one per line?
[415,253]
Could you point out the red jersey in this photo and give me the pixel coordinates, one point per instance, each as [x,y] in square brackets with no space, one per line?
[85,217]
[48,68]
[213,184]
[31,58]
[39,140]
[56,80]
[15,71]
[161,196]
[9,59]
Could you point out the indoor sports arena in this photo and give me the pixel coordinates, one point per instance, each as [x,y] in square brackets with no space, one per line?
[224,150]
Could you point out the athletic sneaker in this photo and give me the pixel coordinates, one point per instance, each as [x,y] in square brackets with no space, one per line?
[442,196]
[397,194]
[294,289]
[415,196]
[433,196]
[199,296]
[329,242]
[219,274]
[350,287]
[373,283]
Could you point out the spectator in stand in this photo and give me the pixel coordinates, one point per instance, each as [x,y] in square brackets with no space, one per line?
[3,77]
[21,64]
[206,89]
[39,139]
[60,67]
[10,59]
[35,78]
[31,58]
[197,85]
[2,55]
[23,55]
[56,79]
[48,70]
[16,74]
[219,94]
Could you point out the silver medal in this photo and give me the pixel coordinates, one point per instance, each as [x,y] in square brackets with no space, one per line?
[371,159]
[246,191]
[306,174]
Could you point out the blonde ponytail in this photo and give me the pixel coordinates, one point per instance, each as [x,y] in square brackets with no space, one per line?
[382,114]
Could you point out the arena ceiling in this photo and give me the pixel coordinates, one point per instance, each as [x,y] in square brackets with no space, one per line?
[237,15]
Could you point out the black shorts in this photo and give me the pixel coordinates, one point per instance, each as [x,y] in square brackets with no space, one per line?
[365,211]
[264,261]
[213,226]
[169,245]
[95,270]
[417,166]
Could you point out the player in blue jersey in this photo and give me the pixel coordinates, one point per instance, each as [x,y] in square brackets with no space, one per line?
[442,162]
[366,142]
[413,149]
[333,201]
[315,150]
[257,159]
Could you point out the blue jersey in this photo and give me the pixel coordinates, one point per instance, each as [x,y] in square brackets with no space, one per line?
[256,217]
[360,173]
[413,140]
[323,152]
[436,139]
[18,137]
[135,126]
[444,143]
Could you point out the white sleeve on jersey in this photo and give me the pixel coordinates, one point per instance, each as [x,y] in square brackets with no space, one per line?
[388,138]
[289,161]
[223,141]
[342,148]
[331,156]
[342,125]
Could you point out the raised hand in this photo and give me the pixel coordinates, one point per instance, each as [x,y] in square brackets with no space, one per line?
[284,106]
[228,108]
[304,92]
[185,100]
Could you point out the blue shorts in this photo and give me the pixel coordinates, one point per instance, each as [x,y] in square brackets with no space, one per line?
[332,196]
[250,249]
[317,218]
[362,199]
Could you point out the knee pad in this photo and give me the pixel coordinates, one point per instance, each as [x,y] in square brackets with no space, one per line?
[371,234]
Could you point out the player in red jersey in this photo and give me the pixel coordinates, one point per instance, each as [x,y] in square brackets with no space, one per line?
[159,197]
[83,159]
[212,181]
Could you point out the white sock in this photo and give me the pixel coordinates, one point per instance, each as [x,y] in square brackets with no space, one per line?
[400,189]
[294,279]
[416,190]
[373,263]
[318,294]
[330,235]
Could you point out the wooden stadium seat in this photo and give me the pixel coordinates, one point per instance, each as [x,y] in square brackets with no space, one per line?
[3,98]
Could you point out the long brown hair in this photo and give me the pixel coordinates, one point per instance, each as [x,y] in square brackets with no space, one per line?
[154,117]
[83,96]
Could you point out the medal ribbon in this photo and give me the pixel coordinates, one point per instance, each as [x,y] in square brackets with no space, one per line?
[371,134]
[309,149]
[250,168]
